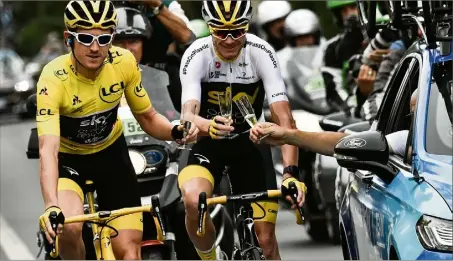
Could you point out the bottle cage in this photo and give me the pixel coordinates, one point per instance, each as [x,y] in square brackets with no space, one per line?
[432,18]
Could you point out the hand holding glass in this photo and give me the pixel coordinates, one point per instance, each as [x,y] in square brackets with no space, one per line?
[225,104]
[187,119]
[247,112]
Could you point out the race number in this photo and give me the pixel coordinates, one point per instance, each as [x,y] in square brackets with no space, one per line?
[131,127]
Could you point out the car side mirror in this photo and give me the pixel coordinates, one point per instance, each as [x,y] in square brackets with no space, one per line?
[367,150]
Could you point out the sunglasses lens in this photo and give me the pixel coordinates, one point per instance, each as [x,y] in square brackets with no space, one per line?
[85,38]
[223,34]
[237,33]
[104,39]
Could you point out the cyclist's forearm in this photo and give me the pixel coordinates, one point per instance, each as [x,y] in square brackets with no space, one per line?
[203,125]
[156,125]
[318,142]
[49,178]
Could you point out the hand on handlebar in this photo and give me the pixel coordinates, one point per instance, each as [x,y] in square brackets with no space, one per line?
[51,222]
[295,191]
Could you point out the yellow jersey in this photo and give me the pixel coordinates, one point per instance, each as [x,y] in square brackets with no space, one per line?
[83,112]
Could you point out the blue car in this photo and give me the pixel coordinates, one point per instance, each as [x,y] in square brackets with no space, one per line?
[400,206]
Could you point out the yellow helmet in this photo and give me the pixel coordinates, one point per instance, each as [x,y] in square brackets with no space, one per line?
[90,14]
[227,13]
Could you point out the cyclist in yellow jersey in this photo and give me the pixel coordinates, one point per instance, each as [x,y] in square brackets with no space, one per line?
[80,136]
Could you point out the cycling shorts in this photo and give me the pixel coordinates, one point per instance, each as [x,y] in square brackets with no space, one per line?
[113,177]
[250,169]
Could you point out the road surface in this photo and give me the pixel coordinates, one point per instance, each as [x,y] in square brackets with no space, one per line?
[21,204]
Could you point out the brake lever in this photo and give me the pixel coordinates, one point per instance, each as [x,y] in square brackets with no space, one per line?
[158,220]
[202,209]
[292,190]
[54,223]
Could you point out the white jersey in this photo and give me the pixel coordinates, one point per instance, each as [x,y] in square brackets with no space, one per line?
[255,73]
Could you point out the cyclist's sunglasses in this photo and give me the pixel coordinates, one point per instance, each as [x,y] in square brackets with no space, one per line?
[223,34]
[88,39]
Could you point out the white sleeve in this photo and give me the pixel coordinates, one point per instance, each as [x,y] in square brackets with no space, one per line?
[191,72]
[268,70]
[176,9]
[397,142]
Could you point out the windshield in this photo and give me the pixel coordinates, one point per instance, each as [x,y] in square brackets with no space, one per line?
[155,83]
[439,127]
[11,64]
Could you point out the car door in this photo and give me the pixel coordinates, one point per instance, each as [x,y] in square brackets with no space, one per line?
[368,196]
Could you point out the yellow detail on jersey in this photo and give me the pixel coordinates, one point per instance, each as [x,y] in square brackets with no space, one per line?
[83,112]
[214,98]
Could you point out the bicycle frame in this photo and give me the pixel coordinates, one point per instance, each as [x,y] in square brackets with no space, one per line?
[245,228]
[101,235]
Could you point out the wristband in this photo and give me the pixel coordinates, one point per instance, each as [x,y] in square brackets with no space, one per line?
[177,134]
[293,170]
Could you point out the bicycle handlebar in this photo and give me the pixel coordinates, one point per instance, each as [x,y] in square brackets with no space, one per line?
[107,215]
[204,203]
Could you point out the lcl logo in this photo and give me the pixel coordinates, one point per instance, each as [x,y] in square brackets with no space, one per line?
[113,93]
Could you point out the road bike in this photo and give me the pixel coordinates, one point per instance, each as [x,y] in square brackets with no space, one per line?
[248,247]
[102,232]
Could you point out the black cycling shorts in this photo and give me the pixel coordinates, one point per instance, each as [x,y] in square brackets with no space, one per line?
[113,177]
[250,168]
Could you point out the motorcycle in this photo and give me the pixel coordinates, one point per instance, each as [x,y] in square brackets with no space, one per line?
[156,164]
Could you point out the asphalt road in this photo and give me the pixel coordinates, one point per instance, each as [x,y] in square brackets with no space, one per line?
[21,204]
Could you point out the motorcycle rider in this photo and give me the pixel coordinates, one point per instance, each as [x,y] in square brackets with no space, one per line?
[302,59]
[340,48]
[80,136]
[232,60]
[132,31]
[271,19]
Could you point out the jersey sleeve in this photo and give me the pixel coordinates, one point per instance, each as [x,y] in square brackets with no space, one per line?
[268,70]
[191,72]
[49,96]
[136,96]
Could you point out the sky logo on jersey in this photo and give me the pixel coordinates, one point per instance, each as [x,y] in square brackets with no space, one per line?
[76,100]
[113,93]
[191,56]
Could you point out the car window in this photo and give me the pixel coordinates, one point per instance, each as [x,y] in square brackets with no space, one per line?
[438,129]
[391,97]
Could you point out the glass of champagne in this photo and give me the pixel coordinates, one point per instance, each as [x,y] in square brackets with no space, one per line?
[247,112]
[188,113]
[225,104]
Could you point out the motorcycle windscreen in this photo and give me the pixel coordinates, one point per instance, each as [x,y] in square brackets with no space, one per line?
[156,84]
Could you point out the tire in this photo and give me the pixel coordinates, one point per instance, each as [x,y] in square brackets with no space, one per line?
[227,243]
[344,246]
[87,236]
[333,224]
[153,253]
[315,218]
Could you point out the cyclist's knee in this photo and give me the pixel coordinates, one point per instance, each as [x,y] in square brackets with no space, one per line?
[71,238]
[193,180]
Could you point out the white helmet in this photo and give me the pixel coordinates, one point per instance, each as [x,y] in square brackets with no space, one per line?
[301,22]
[269,11]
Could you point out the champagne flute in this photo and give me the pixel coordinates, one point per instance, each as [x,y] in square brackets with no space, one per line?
[247,112]
[187,119]
[225,104]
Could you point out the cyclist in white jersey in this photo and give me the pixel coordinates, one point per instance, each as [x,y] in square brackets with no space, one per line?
[247,65]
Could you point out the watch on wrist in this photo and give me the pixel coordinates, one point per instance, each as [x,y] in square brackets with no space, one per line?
[156,10]
[293,170]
